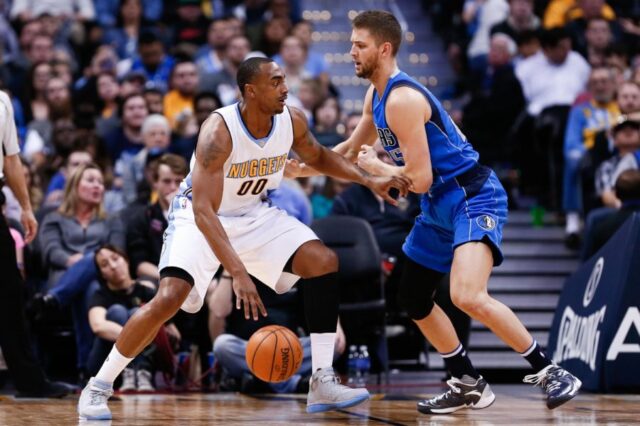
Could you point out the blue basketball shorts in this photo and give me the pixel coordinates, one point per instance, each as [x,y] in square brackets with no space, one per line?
[458,212]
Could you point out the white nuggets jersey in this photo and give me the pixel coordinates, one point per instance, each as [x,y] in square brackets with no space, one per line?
[254,165]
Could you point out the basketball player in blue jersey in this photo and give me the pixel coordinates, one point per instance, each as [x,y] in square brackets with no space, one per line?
[222,216]
[464,208]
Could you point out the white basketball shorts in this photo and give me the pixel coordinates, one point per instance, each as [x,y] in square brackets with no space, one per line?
[264,239]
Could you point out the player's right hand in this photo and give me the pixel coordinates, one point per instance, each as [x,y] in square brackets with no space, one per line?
[292,169]
[247,296]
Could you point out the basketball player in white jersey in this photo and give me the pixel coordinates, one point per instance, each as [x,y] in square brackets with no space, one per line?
[221,217]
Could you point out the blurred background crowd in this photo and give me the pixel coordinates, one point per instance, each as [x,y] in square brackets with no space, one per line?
[108,97]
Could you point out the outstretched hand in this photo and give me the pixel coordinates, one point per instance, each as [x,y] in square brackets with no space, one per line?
[382,186]
[247,296]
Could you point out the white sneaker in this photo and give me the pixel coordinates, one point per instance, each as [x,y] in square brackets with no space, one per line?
[92,404]
[144,381]
[128,380]
[326,393]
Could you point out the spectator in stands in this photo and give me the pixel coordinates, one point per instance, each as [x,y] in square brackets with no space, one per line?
[190,25]
[209,57]
[551,80]
[117,298]
[205,103]
[146,228]
[560,12]
[585,120]
[309,94]
[78,157]
[153,62]
[326,117]
[293,56]
[79,225]
[155,100]
[350,123]
[626,140]
[68,239]
[156,136]
[554,76]
[229,348]
[108,91]
[107,11]
[79,10]
[126,141]
[597,38]
[223,83]
[124,36]
[34,103]
[178,102]
[495,104]
[627,190]
[601,30]
[490,13]
[521,19]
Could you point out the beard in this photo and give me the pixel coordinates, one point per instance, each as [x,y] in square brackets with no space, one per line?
[366,70]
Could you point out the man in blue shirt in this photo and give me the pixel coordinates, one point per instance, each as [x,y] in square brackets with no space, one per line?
[460,227]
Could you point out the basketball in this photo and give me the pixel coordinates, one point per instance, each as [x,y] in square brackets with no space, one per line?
[274,353]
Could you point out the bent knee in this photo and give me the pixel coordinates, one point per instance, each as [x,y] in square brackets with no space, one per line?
[473,304]
[166,304]
[322,262]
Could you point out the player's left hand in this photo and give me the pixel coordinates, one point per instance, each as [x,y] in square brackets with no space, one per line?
[382,186]
[292,169]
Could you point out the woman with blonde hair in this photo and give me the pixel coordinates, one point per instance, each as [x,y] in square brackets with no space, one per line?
[69,237]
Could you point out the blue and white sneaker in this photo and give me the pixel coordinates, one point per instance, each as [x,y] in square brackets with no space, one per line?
[92,404]
[463,393]
[326,393]
[559,385]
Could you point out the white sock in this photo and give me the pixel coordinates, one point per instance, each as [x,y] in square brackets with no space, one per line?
[322,350]
[573,223]
[113,366]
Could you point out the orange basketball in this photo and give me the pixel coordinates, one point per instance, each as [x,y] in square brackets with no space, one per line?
[274,353]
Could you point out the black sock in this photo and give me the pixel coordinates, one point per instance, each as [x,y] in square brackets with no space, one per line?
[459,364]
[536,357]
[321,299]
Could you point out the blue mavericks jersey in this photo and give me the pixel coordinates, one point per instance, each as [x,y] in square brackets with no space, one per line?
[451,154]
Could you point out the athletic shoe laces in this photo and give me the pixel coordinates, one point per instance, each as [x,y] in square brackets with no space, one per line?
[542,378]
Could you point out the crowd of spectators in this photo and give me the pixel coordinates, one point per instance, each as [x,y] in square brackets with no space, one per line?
[545,88]
[108,98]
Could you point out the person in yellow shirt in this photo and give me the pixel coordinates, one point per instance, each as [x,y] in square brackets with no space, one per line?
[561,12]
[178,102]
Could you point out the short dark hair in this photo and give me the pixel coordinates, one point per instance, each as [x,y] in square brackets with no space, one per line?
[148,37]
[206,95]
[551,38]
[628,185]
[382,25]
[249,69]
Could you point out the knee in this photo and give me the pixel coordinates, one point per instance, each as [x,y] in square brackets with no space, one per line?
[473,304]
[117,313]
[321,262]
[222,346]
[417,303]
[165,304]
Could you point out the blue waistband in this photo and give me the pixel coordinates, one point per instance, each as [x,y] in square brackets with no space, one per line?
[469,181]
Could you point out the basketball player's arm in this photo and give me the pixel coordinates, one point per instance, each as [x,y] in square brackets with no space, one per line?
[213,149]
[364,134]
[332,164]
[406,112]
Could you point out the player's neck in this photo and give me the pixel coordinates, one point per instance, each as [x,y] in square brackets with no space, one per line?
[256,121]
[381,76]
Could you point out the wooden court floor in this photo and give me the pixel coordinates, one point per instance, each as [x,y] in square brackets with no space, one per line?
[515,405]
